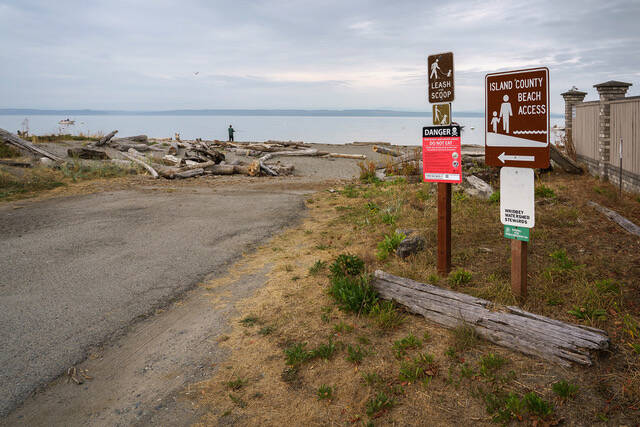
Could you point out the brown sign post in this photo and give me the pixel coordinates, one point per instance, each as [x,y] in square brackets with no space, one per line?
[517,118]
[440,71]
[441,90]
[517,136]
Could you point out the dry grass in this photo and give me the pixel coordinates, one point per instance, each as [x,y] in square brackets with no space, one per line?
[464,385]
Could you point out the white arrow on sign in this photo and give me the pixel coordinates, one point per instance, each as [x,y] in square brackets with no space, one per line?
[513,158]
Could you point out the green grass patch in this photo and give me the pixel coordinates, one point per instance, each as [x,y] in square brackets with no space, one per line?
[565,389]
[421,367]
[249,321]
[460,277]
[410,342]
[355,354]
[379,403]
[490,364]
[544,192]
[386,315]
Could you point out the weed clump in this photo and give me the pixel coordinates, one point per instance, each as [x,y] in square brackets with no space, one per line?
[460,277]
[464,337]
[544,192]
[389,244]
[380,402]
[354,294]
[368,172]
[421,367]
[355,354]
[386,315]
[347,265]
[409,342]
[565,389]
[325,392]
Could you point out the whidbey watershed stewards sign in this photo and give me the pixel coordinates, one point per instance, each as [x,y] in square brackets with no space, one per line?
[517,118]
[516,233]
[442,154]
[517,207]
[440,71]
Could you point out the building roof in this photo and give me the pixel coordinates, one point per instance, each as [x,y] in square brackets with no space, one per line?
[613,83]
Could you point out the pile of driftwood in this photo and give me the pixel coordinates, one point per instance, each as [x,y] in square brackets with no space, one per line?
[511,327]
[185,159]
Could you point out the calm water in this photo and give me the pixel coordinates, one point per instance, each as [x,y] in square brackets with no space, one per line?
[330,130]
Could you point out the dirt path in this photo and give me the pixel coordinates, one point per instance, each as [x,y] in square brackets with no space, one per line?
[76,271]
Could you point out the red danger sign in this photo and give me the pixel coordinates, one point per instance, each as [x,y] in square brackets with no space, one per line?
[441,154]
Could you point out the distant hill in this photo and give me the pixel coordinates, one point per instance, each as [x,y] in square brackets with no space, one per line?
[236,112]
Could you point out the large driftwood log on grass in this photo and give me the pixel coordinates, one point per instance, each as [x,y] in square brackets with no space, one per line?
[511,327]
[21,144]
[87,153]
[617,218]
[105,139]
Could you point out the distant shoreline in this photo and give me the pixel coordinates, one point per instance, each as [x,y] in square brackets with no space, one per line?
[234,112]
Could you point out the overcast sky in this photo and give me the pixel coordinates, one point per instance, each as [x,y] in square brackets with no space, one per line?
[286,54]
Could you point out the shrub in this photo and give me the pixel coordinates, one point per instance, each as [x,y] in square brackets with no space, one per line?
[389,244]
[353,294]
[346,265]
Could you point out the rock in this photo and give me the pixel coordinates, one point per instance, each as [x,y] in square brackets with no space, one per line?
[406,231]
[410,246]
[44,161]
[479,188]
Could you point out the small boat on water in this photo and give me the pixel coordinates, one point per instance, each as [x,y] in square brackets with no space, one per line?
[66,122]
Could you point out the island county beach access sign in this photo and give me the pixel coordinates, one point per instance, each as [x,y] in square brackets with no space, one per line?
[441,154]
[517,118]
[440,69]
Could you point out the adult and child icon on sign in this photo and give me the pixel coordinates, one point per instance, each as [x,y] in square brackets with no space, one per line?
[505,113]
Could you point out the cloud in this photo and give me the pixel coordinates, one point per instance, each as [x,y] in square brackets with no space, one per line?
[282,54]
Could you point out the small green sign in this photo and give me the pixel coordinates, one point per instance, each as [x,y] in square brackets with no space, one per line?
[516,233]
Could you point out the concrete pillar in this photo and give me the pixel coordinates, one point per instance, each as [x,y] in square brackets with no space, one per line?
[571,97]
[608,91]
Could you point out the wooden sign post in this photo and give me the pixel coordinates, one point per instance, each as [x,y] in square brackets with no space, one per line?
[441,155]
[517,140]
[444,228]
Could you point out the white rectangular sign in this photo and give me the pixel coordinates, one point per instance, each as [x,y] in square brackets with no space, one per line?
[517,203]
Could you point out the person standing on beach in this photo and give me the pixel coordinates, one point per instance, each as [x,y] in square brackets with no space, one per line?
[231,132]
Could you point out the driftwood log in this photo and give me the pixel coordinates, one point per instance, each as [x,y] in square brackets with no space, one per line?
[15,163]
[511,327]
[21,144]
[190,173]
[133,158]
[565,162]
[105,139]
[87,153]
[385,150]
[623,222]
